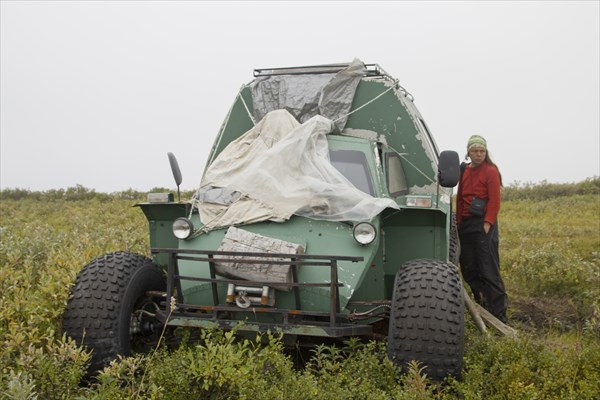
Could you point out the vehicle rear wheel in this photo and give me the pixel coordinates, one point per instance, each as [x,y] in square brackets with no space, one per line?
[427,318]
[454,242]
[110,310]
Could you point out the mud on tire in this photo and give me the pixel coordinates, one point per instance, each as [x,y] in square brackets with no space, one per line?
[427,318]
[99,310]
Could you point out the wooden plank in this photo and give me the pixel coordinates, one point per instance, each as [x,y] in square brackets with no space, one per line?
[244,241]
[480,314]
[474,313]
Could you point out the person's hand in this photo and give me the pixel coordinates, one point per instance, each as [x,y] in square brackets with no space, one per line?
[486,227]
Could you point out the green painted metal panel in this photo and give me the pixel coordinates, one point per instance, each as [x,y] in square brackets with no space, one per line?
[389,116]
[160,221]
[237,122]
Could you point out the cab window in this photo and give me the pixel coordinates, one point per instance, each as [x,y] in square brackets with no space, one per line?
[353,165]
[396,180]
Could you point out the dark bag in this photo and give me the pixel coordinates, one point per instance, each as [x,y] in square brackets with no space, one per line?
[477,207]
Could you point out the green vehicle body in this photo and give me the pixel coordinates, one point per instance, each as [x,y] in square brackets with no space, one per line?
[351,290]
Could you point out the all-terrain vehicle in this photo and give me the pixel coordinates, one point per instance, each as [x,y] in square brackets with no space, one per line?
[324,212]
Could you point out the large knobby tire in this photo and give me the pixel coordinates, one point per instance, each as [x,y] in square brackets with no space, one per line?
[454,242]
[109,311]
[427,318]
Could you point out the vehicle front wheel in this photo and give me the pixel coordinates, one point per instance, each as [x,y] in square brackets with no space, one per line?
[111,307]
[427,318]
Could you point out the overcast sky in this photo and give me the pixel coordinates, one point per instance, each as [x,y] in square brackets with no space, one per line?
[96,93]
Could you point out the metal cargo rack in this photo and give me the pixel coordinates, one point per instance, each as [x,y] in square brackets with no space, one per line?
[293,321]
[373,70]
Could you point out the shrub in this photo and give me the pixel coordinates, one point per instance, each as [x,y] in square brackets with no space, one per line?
[527,368]
[219,367]
[545,191]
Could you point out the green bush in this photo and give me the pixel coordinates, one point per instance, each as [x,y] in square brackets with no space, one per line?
[219,367]
[529,368]
[79,192]
[545,191]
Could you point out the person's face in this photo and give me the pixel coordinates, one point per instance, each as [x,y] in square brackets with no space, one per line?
[477,155]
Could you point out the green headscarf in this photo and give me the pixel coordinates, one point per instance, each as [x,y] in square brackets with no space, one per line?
[476,141]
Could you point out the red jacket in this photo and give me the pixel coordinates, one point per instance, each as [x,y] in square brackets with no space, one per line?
[483,182]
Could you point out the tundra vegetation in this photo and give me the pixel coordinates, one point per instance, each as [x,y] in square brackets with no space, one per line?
[550,250]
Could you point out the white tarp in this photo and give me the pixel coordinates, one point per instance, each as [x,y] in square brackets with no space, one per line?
[277,169]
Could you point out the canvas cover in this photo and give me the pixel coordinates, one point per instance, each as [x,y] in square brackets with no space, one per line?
[277,169]
[307,95]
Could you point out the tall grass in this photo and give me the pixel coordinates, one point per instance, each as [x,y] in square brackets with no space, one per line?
[550,248]
[550,244]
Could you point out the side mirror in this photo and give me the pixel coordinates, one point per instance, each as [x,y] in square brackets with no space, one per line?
[176,172]
[448,168]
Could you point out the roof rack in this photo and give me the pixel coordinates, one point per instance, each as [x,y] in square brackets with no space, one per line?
[370,70]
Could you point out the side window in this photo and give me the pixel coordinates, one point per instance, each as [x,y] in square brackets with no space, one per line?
[396,181]
[353,165]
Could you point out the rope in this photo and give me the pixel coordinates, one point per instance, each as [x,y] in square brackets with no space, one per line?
[223,128]
[395,83]
[194,196]
[415,167]
[368,102]
[412,165]
[229,116]
[246,106]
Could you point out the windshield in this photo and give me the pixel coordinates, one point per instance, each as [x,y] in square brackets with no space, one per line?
[353,165]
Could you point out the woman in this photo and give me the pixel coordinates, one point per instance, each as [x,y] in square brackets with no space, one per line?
[477,207]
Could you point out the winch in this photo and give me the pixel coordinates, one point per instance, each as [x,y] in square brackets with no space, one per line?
[246,296]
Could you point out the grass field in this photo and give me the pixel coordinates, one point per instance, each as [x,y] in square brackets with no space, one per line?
[550,260]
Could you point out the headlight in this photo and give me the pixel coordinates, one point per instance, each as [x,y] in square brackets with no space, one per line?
[364,233]
[183,228]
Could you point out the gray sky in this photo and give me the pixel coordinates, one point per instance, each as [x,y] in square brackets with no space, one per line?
[96,93]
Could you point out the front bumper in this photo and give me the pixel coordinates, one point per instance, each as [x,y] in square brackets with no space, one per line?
[174,311]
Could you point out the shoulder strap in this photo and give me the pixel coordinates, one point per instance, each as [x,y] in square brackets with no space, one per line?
[463,166]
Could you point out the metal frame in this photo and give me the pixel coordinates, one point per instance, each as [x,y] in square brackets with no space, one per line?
[292,320]
[370,70]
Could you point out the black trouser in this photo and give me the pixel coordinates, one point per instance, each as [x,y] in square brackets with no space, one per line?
[480,265]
